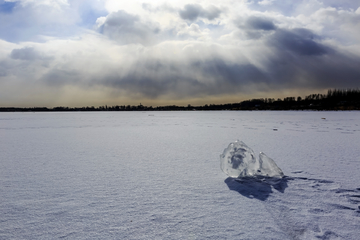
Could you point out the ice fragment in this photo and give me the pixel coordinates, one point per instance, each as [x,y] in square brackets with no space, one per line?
[238,160]
[268,167]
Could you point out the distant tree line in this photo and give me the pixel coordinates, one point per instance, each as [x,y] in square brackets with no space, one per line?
[335,99]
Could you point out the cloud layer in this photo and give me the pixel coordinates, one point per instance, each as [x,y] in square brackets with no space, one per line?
[73,52]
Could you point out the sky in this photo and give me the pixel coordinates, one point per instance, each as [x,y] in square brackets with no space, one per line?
[155,52]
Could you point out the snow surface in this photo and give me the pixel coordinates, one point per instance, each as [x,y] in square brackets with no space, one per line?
[239,161]
[156,175]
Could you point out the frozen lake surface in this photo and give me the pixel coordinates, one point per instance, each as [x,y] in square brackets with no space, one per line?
[156,175]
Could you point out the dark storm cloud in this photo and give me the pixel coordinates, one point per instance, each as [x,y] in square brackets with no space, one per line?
[260,23]
[179,86]
[60,77]
[121,19]
[255,27]
[316,72]
[211,13]
[231,74]
[26,53]
[193,11]
[300,61]
[127,28]
[3,69]
[158,78]
[300,41]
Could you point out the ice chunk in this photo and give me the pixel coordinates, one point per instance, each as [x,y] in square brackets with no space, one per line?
[268,167]
[238,160]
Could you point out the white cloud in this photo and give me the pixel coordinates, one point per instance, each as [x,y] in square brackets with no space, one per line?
[266,2]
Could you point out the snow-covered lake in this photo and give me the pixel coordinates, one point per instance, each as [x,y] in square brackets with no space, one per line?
[156,175]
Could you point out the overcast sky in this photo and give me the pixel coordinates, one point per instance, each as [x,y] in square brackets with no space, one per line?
[155,52]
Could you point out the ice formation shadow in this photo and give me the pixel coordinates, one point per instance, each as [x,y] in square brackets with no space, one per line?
[250,176]
[258,188]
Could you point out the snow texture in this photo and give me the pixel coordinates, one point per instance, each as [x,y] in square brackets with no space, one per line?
[238,161]
[155,175]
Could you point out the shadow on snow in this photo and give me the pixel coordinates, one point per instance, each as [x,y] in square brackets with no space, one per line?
[259,188]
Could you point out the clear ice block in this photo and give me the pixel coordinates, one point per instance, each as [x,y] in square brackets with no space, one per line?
[238,160]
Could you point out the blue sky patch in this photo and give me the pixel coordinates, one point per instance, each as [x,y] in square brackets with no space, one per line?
[89,16]
[7,7]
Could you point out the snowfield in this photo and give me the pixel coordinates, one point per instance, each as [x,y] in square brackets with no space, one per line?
[156,175]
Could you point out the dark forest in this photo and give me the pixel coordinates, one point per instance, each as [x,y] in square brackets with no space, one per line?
[335,99]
